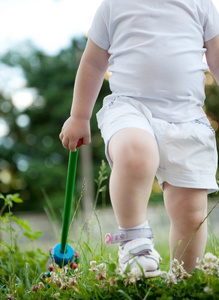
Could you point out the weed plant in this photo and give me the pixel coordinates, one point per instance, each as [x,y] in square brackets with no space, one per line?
[23,274]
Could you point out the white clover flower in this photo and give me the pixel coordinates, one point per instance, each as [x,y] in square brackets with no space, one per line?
[41,285]
[210,265]
[210,258]
[164,275]
[199,265]
[136,272]
[179,271]
[101,276]
[93,265]
[133,276]
[117,271]
[64,277]
[129,279]
[56,281]
[102,267]
[171,279]
[209,271]
[113,281]
[208,290]
[73,281]
[210,261]
[64,286]
[56,295]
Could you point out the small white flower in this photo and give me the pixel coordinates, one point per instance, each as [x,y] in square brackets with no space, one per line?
[64,277]
[210,258]
[41,285]
[209,271]
[210,265]
[208,290]
[93,265]
[171,279]
[179,271]
[56,295]
[136,272]
[73,281]
[210,261]
[164,275]
[102,267]
[133,276]
[199,265]
[101,275]
[113,281]
[64,286]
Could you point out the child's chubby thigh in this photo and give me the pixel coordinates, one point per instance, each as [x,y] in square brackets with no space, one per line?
[125,125]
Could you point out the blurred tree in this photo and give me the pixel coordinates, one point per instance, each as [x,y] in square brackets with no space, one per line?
[212,106]
[31,152]
[212,103]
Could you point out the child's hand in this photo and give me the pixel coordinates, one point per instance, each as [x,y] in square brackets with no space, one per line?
[74,130]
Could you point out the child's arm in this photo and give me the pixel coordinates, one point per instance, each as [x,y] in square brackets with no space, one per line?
[89,79]
[212,56]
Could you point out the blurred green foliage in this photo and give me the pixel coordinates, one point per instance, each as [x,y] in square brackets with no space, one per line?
[32,158]
[212,103]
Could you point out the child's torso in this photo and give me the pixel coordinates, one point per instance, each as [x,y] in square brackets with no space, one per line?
[156,50]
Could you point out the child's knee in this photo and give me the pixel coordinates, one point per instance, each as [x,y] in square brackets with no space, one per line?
[186,207]
[137,158]
[134,145]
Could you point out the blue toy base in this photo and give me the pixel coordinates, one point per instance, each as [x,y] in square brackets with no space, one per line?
[60,258]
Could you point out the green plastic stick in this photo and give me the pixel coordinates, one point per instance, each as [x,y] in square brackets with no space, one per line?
[72,166]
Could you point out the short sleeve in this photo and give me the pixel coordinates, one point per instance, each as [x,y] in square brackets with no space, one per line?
[99,32]
[211,25]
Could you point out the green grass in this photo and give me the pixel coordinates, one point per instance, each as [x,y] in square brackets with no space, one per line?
[21,273]
[21,278]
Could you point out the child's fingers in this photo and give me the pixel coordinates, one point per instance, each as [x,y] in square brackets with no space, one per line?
[86,140]
[65,143]
[61,136]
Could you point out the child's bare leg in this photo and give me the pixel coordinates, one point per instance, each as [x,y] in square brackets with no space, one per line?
[135,157]
[187,208]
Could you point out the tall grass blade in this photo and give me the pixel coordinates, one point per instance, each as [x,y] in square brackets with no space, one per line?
[89,249]
[101,235]
[101,178]
[145,297]
[194,234]
[175,248]
[125,295]
[77,206]
[51,215]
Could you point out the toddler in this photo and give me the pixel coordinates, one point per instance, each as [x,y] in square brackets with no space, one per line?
[152,123]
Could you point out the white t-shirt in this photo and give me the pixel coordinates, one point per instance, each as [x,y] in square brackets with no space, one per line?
[156,49]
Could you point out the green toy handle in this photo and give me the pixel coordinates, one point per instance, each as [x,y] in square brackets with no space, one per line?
[72,166]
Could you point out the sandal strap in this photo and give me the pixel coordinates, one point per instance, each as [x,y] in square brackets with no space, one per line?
[128,235]
[141,250]
[145,250]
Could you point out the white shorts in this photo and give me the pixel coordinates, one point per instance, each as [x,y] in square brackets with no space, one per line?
[188,152]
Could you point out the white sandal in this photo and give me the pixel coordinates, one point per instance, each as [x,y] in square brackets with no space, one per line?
[136,250]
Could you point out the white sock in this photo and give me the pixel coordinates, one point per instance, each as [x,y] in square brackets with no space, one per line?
[143,225]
